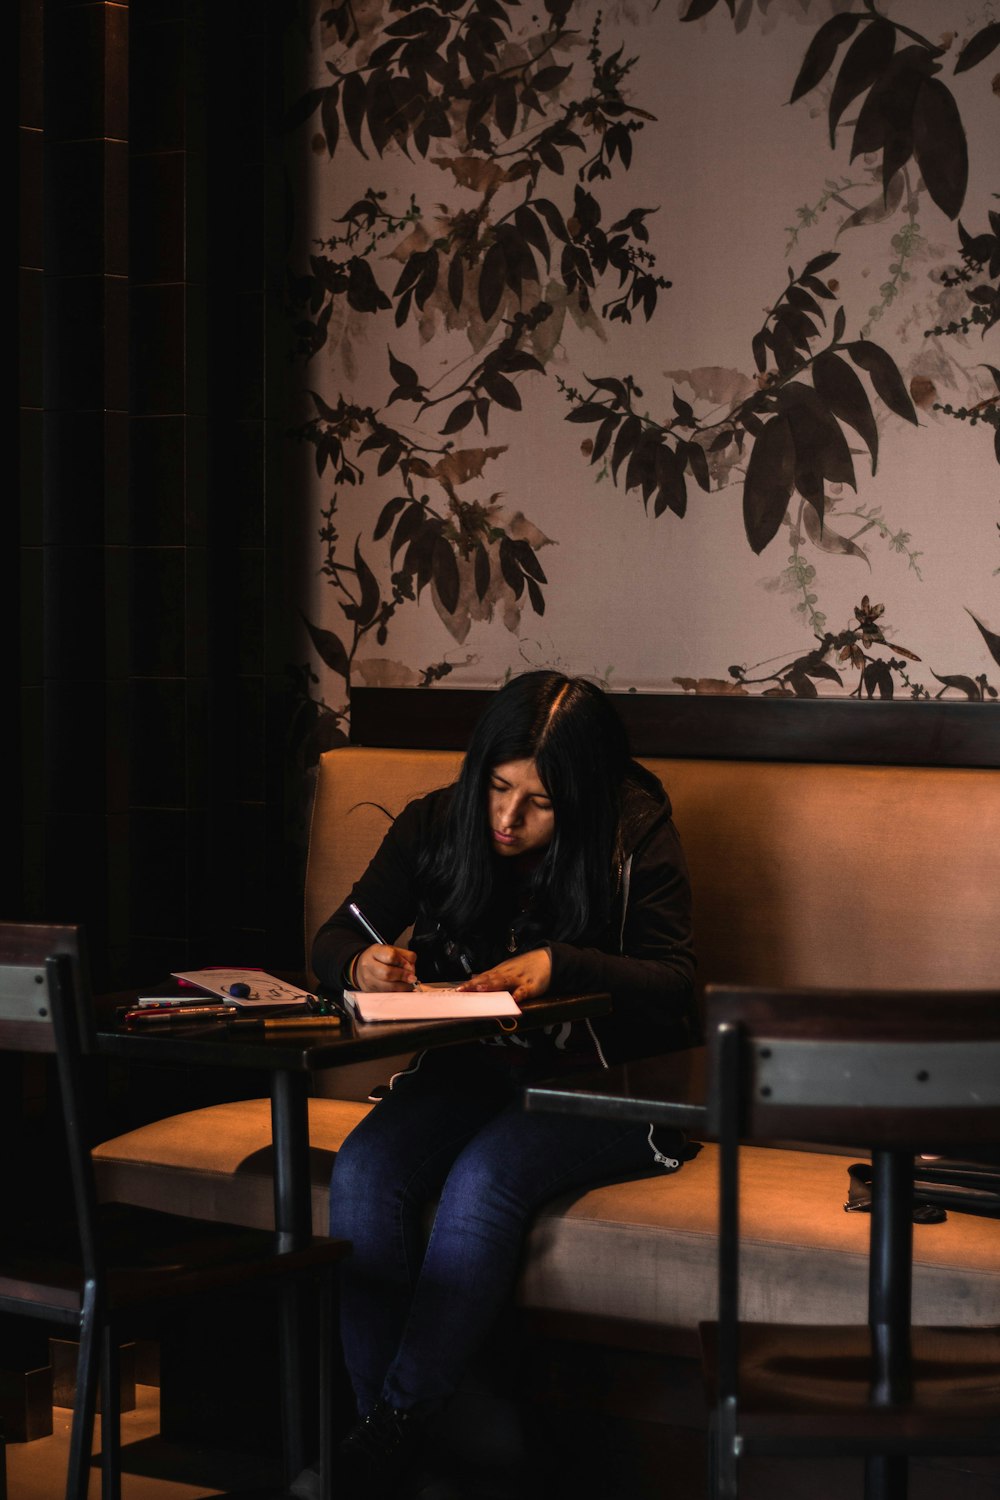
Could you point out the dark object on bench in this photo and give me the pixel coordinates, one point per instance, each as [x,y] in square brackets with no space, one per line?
[899,1072]
[112,1262]
[970,1187]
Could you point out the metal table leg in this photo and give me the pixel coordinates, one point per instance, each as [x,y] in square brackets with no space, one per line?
[293,1222]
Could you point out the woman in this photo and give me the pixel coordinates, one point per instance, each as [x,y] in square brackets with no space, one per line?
[550,865]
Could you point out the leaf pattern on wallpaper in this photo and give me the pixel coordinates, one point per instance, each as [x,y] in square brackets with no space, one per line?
[859,648]
[790,433]
[526,138]
[525,120]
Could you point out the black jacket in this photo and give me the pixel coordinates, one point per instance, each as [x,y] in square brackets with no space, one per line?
[644,957]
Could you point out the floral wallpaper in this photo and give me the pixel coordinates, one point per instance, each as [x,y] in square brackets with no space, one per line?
[656,342]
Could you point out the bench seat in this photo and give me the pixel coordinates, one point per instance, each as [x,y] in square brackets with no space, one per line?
[640,1252]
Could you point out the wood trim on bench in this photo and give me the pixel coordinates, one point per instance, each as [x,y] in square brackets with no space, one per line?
[688,727]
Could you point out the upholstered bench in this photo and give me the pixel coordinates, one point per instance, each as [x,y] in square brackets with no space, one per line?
[639,1253]
[856,875]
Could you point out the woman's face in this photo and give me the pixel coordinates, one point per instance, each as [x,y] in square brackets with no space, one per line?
[519,810]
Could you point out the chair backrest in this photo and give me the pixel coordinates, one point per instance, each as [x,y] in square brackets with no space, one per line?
[44,1007]
[32,956]
[897,1069]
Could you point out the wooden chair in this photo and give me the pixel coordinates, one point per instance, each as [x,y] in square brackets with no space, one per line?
[113,1262]
[896,1073]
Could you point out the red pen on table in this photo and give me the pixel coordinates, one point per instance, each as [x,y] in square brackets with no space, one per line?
[153,1013]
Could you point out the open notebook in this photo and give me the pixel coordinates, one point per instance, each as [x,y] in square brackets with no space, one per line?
[428,1005]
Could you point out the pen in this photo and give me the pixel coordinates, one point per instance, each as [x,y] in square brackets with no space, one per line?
[277,1023]
[359,916]
[372,932]
[178,1013]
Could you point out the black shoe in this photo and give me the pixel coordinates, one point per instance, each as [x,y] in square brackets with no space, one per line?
[378,1453]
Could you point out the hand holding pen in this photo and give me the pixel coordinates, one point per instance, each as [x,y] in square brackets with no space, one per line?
[383,967]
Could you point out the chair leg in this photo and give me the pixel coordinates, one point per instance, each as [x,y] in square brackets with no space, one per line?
[886,1476]
[82,1432]
[290,1335]
[111,1436]
[723,1465]
[326,1294]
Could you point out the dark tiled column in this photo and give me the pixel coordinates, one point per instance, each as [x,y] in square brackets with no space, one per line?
[79,523]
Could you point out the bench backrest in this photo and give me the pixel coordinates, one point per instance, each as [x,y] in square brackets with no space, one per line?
[872,876]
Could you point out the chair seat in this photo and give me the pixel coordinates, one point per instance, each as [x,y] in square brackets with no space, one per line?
[217,1162]
[801,1383]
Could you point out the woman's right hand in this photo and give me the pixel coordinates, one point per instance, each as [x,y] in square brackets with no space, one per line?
[383,968]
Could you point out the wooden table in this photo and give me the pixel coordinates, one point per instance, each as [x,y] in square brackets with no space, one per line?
[289,1057]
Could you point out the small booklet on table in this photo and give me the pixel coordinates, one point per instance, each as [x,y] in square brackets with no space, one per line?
[248,988]
[429,1005]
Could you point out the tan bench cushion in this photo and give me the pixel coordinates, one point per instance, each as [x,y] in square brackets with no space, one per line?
[802,874]
[645,1250]
[642,1250]
[216,1163]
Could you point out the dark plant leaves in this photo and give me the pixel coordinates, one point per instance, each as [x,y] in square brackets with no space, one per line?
[769,479]
[992,640]
[329,648]
[503,391]
[404,375]
[549,78]
[671,486]
[481,571]
[363,292]
[684,410]
[536,596]
[980,46]
[885,122]
[459,417]
[866,57]
[446,579]
[492,281]
[697,461]
[354,109]
[553,218]
[387,515]
[940,147]
[604,435]
[699,8]
[366,608]
[628,435]
[456,280]
[801,685]
[821,52]
[509,567]
[819,263]
[409,524]
[877,677]
[525,554]
[531,229]
[590,411]
[821,450]
[330,116]
[840,389]
[966,685]
[885,377]
[830,541]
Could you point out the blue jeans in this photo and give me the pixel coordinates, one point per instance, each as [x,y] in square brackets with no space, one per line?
[414,1310]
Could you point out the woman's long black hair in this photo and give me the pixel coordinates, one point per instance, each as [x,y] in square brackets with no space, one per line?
[569,729]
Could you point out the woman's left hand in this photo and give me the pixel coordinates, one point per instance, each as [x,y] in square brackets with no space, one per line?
[526,975]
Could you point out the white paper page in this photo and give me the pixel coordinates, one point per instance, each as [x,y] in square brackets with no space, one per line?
[429,1005]
[264,989]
